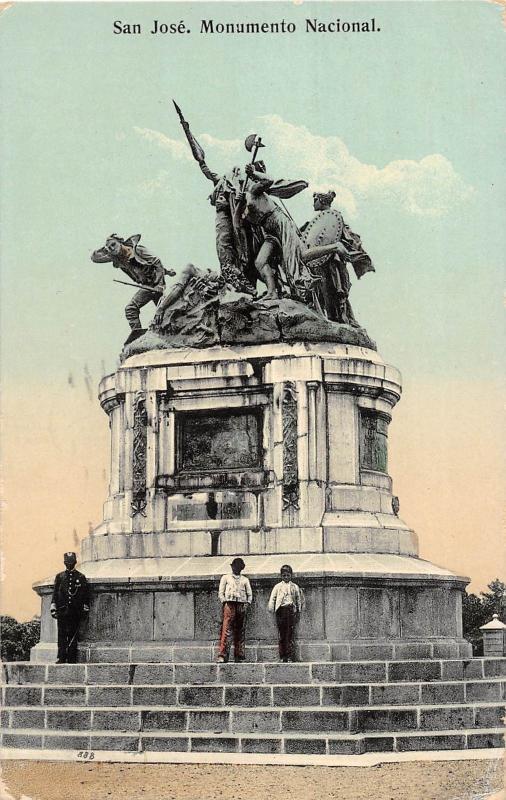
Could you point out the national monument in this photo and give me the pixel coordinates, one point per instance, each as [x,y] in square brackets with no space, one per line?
[251,419]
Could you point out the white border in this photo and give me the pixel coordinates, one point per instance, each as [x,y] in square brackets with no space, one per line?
[365,760]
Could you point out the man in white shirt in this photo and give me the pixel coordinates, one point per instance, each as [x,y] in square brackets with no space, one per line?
[235,595]
[287,601]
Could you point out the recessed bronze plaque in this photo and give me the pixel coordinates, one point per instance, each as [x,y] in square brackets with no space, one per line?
[227,441]
[373,442]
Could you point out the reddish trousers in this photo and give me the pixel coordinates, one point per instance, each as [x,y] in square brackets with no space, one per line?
[233,624]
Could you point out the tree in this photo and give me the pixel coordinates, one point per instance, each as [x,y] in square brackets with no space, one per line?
[18,638]
[477,610]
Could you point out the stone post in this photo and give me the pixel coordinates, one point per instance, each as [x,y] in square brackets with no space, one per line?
[494,637]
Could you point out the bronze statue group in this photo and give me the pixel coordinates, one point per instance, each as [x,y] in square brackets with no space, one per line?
[256,240]
[70,602]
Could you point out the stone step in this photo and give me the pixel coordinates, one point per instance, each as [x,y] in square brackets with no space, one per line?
[300,743]
[308,672]
[256,719]
[313,650]
[263,707]
[262,651]
[277,695]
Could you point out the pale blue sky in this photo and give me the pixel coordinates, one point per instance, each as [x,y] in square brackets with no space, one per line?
[76,167]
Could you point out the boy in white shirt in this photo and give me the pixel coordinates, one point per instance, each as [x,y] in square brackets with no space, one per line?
[235,595]
[287,601]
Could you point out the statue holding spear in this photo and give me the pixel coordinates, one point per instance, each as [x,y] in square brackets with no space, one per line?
[236,241]
[256,238]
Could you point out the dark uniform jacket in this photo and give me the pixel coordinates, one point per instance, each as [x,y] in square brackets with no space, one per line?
[71,591]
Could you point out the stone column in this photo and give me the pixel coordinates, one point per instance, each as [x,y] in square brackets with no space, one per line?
[113,409]
[113,406]
[128,430]
[343,447]
[312,388]
[167,448]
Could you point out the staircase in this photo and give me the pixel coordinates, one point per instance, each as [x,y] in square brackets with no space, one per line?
[264,707]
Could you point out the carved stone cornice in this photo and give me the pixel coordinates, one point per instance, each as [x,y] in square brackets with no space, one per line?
[110,402]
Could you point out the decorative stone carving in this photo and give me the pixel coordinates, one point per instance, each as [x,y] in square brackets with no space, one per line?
[139,456]
[290,449]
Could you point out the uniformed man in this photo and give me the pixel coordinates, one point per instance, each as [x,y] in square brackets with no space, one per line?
[71,599]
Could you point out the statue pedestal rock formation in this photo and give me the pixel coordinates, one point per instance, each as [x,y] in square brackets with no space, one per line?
[276,452]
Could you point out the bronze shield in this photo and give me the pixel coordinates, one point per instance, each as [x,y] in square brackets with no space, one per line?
[325,228]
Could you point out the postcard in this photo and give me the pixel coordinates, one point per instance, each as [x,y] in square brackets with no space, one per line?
[252,380]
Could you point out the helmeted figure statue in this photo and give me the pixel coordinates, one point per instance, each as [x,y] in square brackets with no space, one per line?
[141,266]
[331,292]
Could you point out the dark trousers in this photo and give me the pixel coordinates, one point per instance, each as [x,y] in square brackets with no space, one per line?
[286,618]
[68,632]
[133,309]
[233,625]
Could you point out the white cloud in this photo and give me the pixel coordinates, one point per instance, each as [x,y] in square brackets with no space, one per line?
[153,185]
[428,187]
[225,147]
[178,148]
[228,148]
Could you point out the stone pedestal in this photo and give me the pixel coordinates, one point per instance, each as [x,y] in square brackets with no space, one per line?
[494,637]
[277,453]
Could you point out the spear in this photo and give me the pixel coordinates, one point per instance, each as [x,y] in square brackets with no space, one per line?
[197,151]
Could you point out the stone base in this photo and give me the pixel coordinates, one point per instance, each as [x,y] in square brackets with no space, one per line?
[350,533]
[275,452]
[358,606]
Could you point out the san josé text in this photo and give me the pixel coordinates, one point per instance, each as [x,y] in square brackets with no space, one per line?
[219,27]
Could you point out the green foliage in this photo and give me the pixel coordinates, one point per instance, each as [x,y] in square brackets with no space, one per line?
[477,610]
[18,638]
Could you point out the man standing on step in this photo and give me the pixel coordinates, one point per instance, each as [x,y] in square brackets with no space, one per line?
[71,599]
[235,595]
